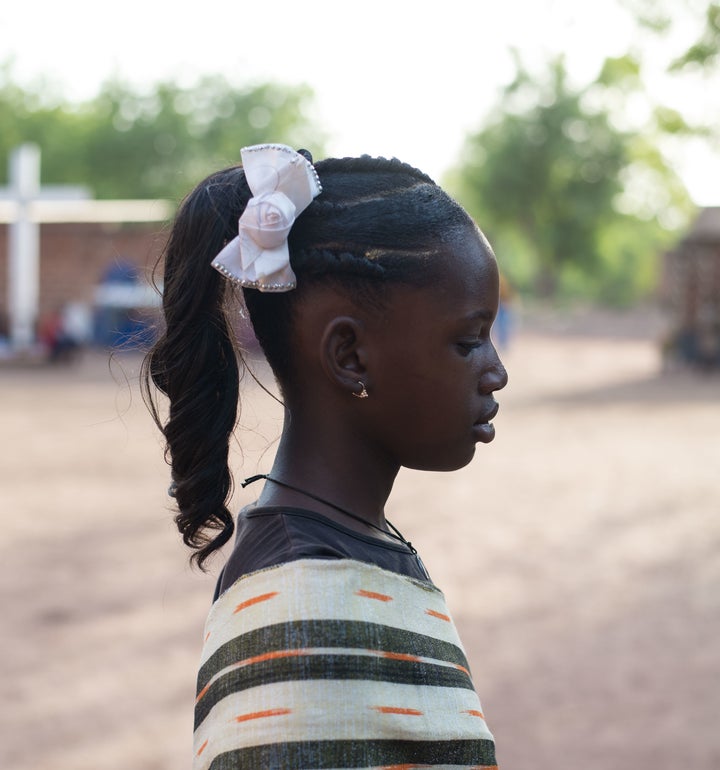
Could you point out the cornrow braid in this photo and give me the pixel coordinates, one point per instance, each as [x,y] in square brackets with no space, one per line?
[320,262]
[377,223]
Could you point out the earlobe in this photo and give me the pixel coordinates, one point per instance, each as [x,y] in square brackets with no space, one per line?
[363,391]
[343,354]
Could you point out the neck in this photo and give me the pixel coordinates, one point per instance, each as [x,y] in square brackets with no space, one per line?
[336,468]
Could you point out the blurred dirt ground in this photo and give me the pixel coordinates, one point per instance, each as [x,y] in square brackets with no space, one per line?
[580,554]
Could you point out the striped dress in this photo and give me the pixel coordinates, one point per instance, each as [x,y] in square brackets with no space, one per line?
[335,664]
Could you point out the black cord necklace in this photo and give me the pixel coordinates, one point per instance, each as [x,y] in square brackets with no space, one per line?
[395,531]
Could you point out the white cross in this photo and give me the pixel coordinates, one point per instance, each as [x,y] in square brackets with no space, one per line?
[24,204]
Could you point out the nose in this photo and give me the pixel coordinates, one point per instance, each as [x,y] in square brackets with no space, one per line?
[495,376]
[502,375]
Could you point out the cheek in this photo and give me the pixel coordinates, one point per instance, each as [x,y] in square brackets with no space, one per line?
[426,422]
[438,389]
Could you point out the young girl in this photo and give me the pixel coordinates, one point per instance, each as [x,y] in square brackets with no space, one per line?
[372,294]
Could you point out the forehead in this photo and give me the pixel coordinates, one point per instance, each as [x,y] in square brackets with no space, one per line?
[468,257]
[466,272]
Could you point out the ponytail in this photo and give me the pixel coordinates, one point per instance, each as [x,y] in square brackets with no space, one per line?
[195,364]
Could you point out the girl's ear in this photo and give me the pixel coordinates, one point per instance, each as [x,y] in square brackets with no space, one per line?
[343,353]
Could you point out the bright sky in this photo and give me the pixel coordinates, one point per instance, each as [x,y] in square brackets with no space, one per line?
[392,77]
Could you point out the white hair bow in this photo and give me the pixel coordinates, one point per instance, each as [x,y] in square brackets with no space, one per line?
[283,184]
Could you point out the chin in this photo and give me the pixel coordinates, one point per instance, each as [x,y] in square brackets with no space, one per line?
[443,465]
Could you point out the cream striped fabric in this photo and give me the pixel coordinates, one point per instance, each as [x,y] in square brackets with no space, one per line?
[335,664]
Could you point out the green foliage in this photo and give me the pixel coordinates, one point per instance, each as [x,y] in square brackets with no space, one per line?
[670,121]
[705,52]
[659,16]
[125,144]
[566,198]
[630,249]
[650,14]
[548,170]
[620,71]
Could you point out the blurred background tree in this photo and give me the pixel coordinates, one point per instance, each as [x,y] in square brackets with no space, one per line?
[575,204]
[126,144]
[658,16]
[576,192]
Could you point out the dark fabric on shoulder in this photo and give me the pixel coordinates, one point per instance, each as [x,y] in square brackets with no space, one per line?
[269,536]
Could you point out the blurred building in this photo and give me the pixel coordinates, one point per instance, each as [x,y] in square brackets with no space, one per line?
[692,292]
[99,271]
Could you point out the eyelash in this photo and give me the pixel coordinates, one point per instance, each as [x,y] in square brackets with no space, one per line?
[467,347]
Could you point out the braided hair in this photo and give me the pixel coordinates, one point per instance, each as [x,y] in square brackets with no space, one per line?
[377,223]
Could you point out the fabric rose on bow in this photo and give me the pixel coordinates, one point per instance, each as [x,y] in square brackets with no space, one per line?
[283,184]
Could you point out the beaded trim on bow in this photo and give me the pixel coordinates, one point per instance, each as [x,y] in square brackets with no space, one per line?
[283,184]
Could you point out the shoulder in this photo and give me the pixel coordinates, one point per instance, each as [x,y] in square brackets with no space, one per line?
[283,531]
[267,537]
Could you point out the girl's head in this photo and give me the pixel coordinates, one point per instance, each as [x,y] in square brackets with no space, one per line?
[396,289]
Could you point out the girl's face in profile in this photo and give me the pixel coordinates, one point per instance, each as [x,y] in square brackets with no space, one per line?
[435,368]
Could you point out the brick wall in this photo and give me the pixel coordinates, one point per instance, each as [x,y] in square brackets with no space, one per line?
[74,257]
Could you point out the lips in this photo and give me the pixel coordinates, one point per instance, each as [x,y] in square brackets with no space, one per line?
[483,429]
[489,415]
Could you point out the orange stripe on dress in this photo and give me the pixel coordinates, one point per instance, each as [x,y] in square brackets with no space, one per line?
[261,714]
[438,615]
[373,595]
[474,713]
[202,693]
[255,600]
[202,748]
[399,656]
[256,659]
[398,710]
[272,656]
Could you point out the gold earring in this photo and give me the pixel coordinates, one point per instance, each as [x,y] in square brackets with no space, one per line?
[363,393]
